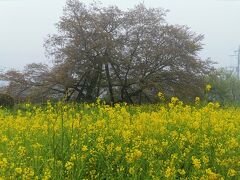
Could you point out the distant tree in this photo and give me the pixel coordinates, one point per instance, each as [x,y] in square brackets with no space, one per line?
[121,56]
[127,54]
[225,86]
[21,85]
[6,101]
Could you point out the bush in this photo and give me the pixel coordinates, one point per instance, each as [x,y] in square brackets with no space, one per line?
[6,101]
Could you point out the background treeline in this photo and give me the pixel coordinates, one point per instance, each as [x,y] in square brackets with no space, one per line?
[119,56]
[225,87]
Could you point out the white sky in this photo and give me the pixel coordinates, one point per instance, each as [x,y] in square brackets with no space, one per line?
[25,23]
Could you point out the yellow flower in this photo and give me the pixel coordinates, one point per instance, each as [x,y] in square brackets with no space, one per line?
[137,153]
[3,163]
[196,162]
[120,169]
[18,170]
[59,163]
[197,100]
[37,146]
[208,87]
[129,157]
[169,172]
[161,96]
[182,172]
[233,143]
[205,159]
[28,172]
[22,151]
[84,148]
[211,175]
[128,137]
[232,172]
[131,170]
[4,138]
[73,157]
[118,149]
[69,165]
[47,174]
[174,100]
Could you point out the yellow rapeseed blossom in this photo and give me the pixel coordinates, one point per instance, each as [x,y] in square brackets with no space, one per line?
[118,148]
[69,165]
[211,174]
[196,162]
[197,100]
[208,87]
[72,141]
[3,163]
[22,151]
[174,100]
[161,96]
[182,172]
[231,173]
[137,153]
[47,174]
[84,148]
[73,157]
[205,159]
[28,173]
[131,170]
[169,172]
[18,170]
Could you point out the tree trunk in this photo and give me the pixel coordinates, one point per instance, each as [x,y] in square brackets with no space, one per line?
[90,95]
[109,83]
[80,95]
[122,93]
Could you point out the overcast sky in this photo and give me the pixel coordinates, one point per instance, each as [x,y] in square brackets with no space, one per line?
[25,23]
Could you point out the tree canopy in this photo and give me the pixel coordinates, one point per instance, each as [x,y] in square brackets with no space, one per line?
[117,55]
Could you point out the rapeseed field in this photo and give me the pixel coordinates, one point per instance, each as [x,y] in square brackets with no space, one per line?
[97,141]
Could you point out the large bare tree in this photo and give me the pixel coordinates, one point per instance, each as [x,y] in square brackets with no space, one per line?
[122,55]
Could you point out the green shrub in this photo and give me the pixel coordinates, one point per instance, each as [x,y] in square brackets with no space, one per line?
[6,101]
